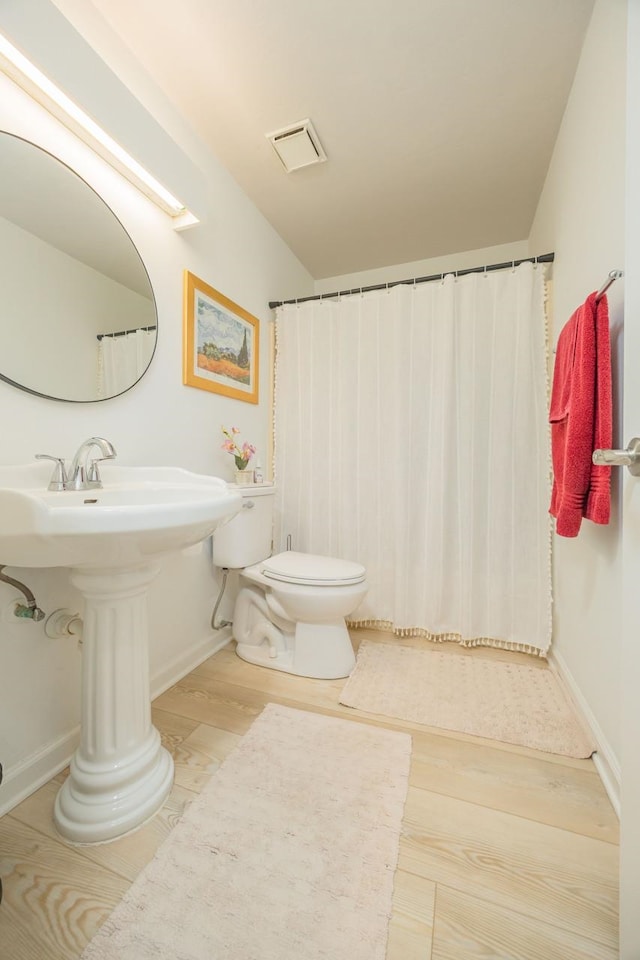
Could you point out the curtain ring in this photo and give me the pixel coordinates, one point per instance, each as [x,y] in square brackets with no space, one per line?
[485,272]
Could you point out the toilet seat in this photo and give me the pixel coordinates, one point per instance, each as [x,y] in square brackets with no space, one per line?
[312,570]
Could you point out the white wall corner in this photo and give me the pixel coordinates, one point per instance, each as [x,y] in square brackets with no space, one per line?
[605,760]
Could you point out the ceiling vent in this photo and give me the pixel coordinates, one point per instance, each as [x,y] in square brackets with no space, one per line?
[297,145]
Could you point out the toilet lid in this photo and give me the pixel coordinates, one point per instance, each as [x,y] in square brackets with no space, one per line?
[308,568]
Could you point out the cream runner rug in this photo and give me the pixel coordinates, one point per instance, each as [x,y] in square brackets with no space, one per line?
[512,702]
[288,854]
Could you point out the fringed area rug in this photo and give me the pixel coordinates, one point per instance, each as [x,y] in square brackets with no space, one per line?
[512,702]
[288,854]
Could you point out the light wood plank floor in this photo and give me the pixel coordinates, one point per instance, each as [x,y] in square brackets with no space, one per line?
[506,852]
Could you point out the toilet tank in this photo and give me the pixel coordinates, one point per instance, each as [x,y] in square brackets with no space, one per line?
[246,537]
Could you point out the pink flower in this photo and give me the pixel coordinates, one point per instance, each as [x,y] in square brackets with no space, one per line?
[243,455]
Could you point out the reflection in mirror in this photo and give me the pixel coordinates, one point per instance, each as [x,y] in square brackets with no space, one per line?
[77,313]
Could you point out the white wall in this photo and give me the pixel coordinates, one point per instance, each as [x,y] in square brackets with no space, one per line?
[159,421]
[427,268]
[581,217]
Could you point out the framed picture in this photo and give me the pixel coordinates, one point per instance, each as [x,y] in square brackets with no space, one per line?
[220,343]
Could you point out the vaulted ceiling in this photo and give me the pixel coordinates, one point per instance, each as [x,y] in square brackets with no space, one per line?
[438,117]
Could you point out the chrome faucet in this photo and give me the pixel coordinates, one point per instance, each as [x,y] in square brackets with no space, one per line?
[83,473]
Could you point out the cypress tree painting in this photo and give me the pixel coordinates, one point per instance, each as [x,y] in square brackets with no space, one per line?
[221,343]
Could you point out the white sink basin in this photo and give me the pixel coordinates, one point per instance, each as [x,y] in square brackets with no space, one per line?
[140,512]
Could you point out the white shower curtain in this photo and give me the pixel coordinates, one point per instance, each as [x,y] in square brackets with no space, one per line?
[411,436]
[122,360]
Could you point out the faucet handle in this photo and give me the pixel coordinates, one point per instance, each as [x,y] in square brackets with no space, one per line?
[93,474]
[59,476]
[93,477]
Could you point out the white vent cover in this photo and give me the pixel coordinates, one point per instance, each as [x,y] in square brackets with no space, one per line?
[297,145]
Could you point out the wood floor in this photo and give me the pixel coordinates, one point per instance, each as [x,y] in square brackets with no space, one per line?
[505,852]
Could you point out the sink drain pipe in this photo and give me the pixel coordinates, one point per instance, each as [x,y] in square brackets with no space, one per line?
[64,623]
[28,611]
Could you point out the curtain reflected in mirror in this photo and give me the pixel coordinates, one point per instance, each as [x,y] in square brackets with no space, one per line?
[123,358]
[77,312]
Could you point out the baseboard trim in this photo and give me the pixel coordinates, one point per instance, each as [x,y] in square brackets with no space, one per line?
[31,773]
[188,660]
[604,759]
[610,776]
[35,770]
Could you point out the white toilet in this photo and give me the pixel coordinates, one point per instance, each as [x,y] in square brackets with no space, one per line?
[291,608]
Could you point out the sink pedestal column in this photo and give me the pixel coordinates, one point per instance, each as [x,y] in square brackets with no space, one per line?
[120,774]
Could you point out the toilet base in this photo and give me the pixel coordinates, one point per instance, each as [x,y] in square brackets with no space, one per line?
[321,651]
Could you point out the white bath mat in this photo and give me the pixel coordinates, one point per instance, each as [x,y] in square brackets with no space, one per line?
[288,854]
[512,702]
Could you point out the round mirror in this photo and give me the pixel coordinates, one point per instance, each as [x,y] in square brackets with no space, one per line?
[77,313]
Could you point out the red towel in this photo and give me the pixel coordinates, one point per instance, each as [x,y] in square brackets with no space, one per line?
[581,415]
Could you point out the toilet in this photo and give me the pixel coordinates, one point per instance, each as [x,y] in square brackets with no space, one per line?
[290,610]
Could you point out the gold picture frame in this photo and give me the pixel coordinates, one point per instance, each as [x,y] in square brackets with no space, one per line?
[220,343]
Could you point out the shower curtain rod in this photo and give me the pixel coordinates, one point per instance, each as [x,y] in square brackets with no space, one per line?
[545,258]
[122,333]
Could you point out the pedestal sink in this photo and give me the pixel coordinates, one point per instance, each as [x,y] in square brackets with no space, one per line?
[112,539]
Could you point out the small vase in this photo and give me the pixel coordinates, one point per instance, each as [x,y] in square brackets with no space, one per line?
[244,476]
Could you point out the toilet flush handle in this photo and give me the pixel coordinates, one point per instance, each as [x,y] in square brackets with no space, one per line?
[248,504]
